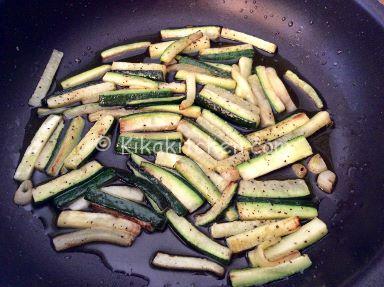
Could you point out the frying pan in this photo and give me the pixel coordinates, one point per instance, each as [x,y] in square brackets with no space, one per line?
[336,45]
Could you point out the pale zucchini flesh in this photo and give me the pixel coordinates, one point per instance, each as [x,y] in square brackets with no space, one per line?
[212,32]
[227,229]
[125,192]
[274,188]
[167,159]
[122,49]
[195,152]
[87,76]
[190,112]
[127,80]
[149,122]
[204,79]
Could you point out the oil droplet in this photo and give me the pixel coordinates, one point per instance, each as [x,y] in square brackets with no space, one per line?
[283,19]
[77,61]
[339,52]
[311,22]
[265,16]
[89,48]
[335,64]
[290,24]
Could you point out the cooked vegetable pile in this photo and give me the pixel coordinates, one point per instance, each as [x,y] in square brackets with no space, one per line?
[198,125]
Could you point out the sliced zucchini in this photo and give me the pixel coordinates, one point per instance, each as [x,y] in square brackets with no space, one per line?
[192,150]
[78,94]
[280,90]
[261,208]
[149,143]
[212,32]
[228,106]
[305,87]
[232,161]
[245,38]
[147,70]
[81,219]
[227,68]
[174,87]
[218,207]
[149,122]
[125,192]
[228,54]
[266,114]
[187,67]
[46,79]
[126,207]
[227,229]
[198,240]
[186,263]
[155,101]
[185,193]
[97,180]
[245,66]
[89,142]
[203,79]
[25,168]
[225,127]
[190,112]
[60,184]
[116,113]
[82,110]
[68,143]
[167,159]
[42,112]
[124,96]
[87,76]
[155,50]
[190,83]
[126,80]
[306,235]
[215,71]
[274,188]
[278,130]
[273,99]
[202,139]
[289,152]
[79,204]
[260,276]
[48,149]
[121,50]
[178,46]
[243,89]
[249,239]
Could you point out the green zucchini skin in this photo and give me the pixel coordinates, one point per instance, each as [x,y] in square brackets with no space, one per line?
[64,91]
[227,57]
[122,97]
[126,207]
[285,201]
[213,70]
[149,74]
[144,146]
[151,191]
[155,102]
[225,114]
[103,176]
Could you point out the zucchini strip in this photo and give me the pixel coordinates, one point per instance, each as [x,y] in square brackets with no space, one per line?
[198,240]
[25,168]
[68,143]
[306,235]
[87,76]
[305,87]
[191,92]
[227,229]
[245,66]
[249,239]
[89,142]
[122,97]
[126,66]
[49,147]
[167,159]
[218,207]
[190,112]
[206,68]
[79,204]
[187,67]
[46,79]
[116,113]
[120,51]
[212,32]
[186,263]
[202,139]
[203,79]
[88,235]
[78,94]
[274,188]
[224,67]
[232,161]
[42,112]
[82,219]
[280,90]
[59,184]
[82,110]
[195,152]
[229,54]
[245,38]
[269,92]
[126,80]
[178,46]
[155,101]
[149,122]
[266,114]
[260,208]
[278,130]
[178,88]
[260,276]
[289,152]
[125,192]
[23,194]
[156,50]
[225,127]
[243,90]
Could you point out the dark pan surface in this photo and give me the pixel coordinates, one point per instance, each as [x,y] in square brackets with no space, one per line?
[337,45]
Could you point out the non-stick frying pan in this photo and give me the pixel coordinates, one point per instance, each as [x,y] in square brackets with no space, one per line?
[336,45]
